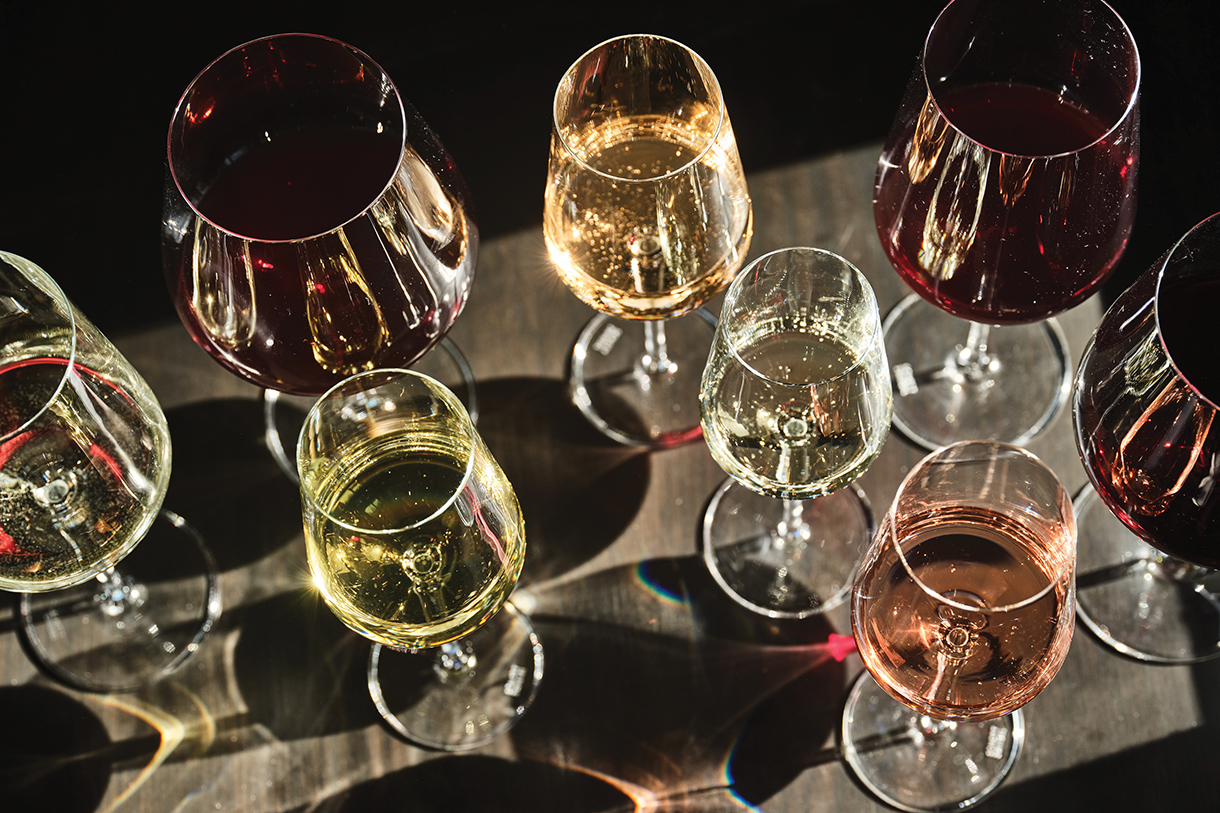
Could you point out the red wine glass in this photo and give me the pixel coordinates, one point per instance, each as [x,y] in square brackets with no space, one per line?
[1145,403]
[962,612]
[314,227]
[1004,195]
[85,459]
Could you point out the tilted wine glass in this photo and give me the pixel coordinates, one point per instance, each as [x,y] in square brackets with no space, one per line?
[314,226]
[796,405]
[646,218]
[84,467]
[1004,195]
[1145,403]
[415,540]
[962,613]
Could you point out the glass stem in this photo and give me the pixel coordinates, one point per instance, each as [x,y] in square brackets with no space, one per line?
[455,660]
[973,360]
[655,360]
[118,594]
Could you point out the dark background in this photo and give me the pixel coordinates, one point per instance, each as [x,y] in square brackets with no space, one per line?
[87,96]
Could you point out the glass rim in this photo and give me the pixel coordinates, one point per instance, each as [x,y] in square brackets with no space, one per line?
[48,284]
[179,110]
[721,110]
[438,390]
[1212,222]
[1127,113]
[870,295]
[887,527]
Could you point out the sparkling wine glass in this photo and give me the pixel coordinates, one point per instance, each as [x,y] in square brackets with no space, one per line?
[1004,195]
[796,404]
[415,540]
[646,218]
[314,226]
[962,613]
[1145,403]
[84,466]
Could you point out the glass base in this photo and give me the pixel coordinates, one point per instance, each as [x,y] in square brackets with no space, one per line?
[464,694]
[135,623]
[284,414]
[1136,599]
[609,380]
[781,572]
[917,763]
[1011,394]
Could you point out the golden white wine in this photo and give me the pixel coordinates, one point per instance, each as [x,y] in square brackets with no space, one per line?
[407,548]
[645,217]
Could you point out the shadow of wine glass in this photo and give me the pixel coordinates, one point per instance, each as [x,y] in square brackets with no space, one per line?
[227,485]
[660,694]
[56,756]
[479,783]
[300,671]
[578,490]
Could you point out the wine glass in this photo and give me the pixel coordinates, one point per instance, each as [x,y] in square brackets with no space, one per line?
[1004,195]
[84,466]
[415,540]
[962,612]
[1145,403]
[646,218]
[796,404]
[314,226]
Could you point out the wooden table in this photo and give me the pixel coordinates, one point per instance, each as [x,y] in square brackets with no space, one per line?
[659,694]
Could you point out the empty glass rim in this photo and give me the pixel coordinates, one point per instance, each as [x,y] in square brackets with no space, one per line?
[1211,223]
[722,113]
[1067,563]
[870,295]
[1118,122]
[179,110]
[388,374]
[49,286]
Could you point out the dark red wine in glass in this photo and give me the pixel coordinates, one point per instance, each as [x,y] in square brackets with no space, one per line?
[1004,195]
[1146,399]
[314,227]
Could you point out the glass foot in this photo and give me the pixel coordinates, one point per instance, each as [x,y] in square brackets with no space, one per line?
[136,622]
[612,383]
[283,414]
[1136,599]
[917,763]
[781,571]
[464,694]
[942,394]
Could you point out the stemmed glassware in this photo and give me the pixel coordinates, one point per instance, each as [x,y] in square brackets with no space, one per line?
[962,613]
[314,226]
[646,218]
[415,540]
[795,404]
[1145,403]
[1004,195]
[84,467]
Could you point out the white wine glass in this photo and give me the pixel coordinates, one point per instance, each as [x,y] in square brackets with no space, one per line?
[646,218]
[85,460]
[796,404]
[962,612]
[416,540]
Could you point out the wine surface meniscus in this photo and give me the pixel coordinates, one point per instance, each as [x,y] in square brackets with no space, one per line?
[78,490]
[795,414]
[394,558]
[956,663]
[642,221]
[1020,229]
